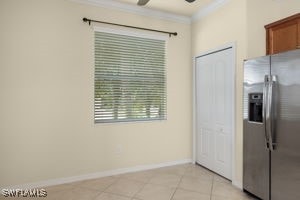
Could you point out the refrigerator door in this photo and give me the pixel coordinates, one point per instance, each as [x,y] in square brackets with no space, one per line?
[256,154]
[285,159]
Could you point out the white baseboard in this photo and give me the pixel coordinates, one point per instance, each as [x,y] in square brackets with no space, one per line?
[59,181]
[237,184]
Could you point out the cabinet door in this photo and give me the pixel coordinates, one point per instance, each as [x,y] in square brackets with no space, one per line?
[298,37]
[284,37]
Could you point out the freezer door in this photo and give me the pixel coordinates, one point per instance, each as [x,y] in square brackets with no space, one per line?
[255,154]
[285,159]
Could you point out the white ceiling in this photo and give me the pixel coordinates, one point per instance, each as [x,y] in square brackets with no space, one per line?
[179,7]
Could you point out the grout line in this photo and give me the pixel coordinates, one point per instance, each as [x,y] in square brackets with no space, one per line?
[104,189]
[145,183]
[116,194]
[122,195]
[131,197]
[98,195]
[134,196]
[173,193]
[117,180]
[177,187]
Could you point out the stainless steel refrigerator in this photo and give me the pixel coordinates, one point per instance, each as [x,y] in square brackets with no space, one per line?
[271,157]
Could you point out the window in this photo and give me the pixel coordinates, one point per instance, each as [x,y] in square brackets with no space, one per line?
[130,79]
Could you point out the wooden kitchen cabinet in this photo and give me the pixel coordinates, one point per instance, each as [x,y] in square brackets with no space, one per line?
[283,35]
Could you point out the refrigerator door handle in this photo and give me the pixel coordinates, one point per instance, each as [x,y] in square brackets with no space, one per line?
[270,113]
[265,105]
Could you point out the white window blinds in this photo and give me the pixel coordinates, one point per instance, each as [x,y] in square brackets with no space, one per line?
[130,79]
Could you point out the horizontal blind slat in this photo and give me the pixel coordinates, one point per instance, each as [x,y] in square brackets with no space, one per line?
[129,78]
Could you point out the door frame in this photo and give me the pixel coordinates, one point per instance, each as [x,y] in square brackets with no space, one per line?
[233,84]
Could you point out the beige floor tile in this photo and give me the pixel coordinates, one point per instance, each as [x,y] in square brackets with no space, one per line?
[155,192]
[22,198]
[199,172]
[188,165]
[107,196]
[12,198]
[219,178]
[178,170]
[196,184]
[198,167]
[74,194]
[233,198]
[98,184]
[125,187]
[57,195]
[201,176]
[223,189]
[170,180]
[61,187]
[181,194]
[143,176]
[220,198]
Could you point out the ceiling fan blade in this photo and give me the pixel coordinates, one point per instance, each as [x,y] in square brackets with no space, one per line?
[142,2]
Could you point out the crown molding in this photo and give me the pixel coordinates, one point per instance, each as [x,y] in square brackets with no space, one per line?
[136,10]
[208,9]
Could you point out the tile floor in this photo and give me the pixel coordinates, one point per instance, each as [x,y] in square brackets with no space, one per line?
[181,182]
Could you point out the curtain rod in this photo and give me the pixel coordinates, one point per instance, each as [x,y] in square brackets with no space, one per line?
[147,29]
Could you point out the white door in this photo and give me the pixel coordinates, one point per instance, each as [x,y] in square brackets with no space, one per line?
[214,114]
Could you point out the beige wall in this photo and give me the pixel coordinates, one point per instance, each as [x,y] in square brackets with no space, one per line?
[225,26]
[241,22]
[46,83]
[260,13]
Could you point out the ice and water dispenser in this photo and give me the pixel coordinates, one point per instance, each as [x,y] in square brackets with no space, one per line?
[256,107]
